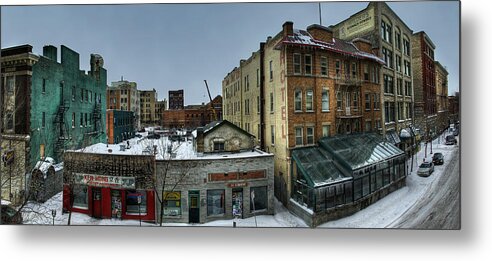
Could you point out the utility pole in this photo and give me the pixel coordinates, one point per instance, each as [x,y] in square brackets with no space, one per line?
[319,8]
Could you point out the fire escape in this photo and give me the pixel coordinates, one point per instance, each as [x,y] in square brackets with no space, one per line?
[348,89]
[59,122]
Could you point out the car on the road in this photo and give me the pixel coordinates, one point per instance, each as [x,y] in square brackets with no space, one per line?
[425,169]
[451,140]
[456,132]
[438,158]
[10,215]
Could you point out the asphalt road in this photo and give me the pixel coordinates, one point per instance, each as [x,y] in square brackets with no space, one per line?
[440,207]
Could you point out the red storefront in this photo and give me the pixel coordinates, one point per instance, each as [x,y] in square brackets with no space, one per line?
[126,194]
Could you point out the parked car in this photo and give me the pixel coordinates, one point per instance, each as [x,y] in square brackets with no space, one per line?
[456,132]
[451,140]
[10,215]
[438,159]
[425,169]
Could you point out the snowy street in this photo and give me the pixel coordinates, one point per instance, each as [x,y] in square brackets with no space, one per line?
[425,203]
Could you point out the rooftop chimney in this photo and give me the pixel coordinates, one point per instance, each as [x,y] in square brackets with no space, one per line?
[199,140]
[320,33]
[288,28]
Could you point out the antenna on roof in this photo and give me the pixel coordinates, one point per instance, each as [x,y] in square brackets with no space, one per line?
[319,8]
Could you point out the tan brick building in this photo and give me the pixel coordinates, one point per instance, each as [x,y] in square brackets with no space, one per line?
[442,96]
[123,95]
[390,38]
[311,85]
[148,100]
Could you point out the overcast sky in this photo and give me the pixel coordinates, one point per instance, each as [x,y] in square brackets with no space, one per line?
[177,46]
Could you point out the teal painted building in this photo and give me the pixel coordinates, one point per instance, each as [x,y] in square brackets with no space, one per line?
[63,106]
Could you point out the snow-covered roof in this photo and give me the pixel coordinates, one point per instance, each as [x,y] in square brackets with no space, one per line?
[302,37]
[165,149]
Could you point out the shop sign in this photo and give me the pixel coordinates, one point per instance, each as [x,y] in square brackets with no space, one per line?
[172,195]
[104,181]
[237,185]
[8,157]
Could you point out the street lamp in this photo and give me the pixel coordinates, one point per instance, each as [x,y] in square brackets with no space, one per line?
[53,214]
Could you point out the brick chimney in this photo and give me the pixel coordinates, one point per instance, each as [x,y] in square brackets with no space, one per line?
[321,33]
[363,45]
[288,28]
[199,140]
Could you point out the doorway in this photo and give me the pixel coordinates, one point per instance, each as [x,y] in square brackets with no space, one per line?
[194,206]
[237,202]
[96,203]
[115,203]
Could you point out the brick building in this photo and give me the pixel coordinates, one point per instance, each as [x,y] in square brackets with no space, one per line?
[313,86]
[176,100]
[49,106]
[193,116]
[390,39]
[442,97]
[148,101]
[454,107]
[123,95]
[160,107]
[424,79]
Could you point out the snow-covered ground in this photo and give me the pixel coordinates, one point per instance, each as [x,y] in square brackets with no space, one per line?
[379,215]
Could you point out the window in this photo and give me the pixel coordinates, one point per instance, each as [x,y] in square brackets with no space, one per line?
[406,47]
[246,82]
[10,121]
[272,134]
[271,70]
[298,100]
[90,94]
[73,120]
[408,88]
[172,203]
[309,100]
[326,130]
[259,198]
[356,100]
[397,39]
[407,67]
[354,70]
[10,84]
[215,202]
[132,204]
[218,146]
[389,112]
[325,100]
[398,63]
[337,68]
[246,106]
[310,135]
[308,64]
[257,77]
[81,119]
[324,66]
[299,136]
[378,124]
[368,101]
[80,199]
[400,111]
[271,102]
[43,120]
[73,93]
[44,86]
[297,63]
[386,32]
[388,84]
[339,100]
[388,57]
[377,101]
[366,72]
[399,86]
[81,94]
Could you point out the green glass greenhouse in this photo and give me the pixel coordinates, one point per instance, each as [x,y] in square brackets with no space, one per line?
[345,172]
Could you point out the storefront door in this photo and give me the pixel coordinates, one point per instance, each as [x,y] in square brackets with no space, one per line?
[194,207]
[237,202]
[96,203]
[115,203]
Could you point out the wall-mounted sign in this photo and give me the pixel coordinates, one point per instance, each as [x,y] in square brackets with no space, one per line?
[104,181]
[361,22]
[237,185]
[8,157]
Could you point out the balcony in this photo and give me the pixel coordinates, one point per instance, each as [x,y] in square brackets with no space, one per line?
[348,80]
[349,113]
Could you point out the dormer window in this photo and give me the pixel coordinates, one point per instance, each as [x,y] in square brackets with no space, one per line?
[219,146]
